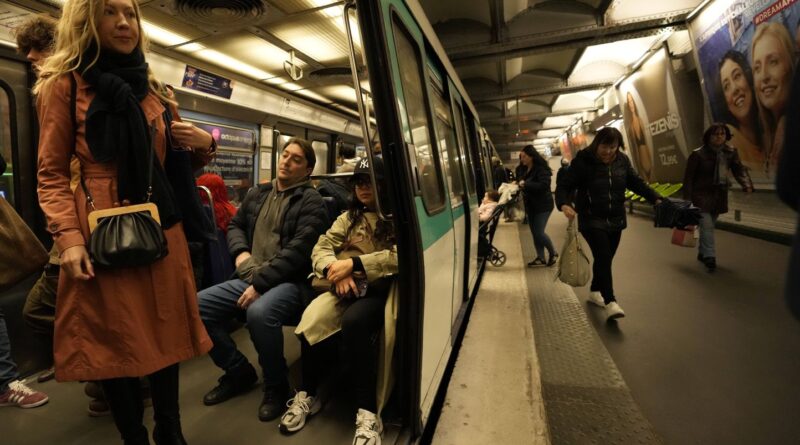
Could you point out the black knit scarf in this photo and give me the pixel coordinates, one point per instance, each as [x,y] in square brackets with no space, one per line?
[117,129]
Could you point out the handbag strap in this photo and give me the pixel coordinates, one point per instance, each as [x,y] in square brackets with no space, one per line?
[73,115]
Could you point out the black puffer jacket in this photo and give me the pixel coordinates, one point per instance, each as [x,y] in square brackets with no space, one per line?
[303,221]
[536,190]
[598,190]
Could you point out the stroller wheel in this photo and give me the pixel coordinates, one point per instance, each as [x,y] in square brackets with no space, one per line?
[498,259]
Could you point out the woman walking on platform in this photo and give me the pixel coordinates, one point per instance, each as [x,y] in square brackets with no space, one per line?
[706,184]
[593,188]
[534,181]
[98,100]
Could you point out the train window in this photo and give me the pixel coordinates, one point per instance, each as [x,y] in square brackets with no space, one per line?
[7,177]
[465,147]
[411,77]
[447,143]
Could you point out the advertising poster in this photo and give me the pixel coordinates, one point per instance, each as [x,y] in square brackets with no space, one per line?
[747,50]
[656,141]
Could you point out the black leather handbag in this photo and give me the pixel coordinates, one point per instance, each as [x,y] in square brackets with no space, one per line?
[128,236]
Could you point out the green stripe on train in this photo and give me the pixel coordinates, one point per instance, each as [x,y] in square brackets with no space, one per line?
[436,226]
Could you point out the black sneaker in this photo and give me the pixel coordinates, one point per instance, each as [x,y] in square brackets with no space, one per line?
[232,384]
[274,402]
[711,263]
[537,262]
[553,260]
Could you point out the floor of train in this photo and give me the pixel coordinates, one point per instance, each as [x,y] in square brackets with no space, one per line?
[64,419]
[701,357]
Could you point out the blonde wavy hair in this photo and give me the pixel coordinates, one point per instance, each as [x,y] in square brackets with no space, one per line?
[76,31]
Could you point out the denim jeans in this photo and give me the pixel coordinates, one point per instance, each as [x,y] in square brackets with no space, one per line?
[706,244]
[279,306]
[8,369]
[538,222]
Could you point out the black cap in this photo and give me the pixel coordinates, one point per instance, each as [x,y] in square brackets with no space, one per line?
[362,167]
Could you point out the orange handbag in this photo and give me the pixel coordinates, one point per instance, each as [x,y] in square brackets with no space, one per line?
[686,237]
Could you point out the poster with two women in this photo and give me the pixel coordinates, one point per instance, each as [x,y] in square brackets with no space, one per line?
[748,51]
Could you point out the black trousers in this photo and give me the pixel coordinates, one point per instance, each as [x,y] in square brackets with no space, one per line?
[361,324]
[603,244]
[125,400]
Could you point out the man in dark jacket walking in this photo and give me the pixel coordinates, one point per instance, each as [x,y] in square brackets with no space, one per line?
[271,238]
[706,184]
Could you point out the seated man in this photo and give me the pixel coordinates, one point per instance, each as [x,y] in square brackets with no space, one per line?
[271,238]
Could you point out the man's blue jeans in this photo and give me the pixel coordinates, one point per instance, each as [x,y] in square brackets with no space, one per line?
[706,244]
[279,306]
[8,369]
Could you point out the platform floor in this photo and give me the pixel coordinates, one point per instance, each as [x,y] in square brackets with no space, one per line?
[700,358]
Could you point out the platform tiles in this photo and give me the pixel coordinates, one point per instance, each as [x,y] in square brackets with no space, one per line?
[585,397]
[494,395]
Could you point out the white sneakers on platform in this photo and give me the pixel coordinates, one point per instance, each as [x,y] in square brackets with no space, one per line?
[613,309]
[597,299]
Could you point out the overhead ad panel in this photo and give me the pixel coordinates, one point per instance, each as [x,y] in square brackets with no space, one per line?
[747,50]
[656,137]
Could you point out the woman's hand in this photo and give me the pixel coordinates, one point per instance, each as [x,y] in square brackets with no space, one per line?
[340,269]
[568,211]
[346,287]
[241,258]
[75,260]
[187,135]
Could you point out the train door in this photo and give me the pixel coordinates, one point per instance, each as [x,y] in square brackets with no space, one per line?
[18,187]
[433,209]
[471,199]
[450,161]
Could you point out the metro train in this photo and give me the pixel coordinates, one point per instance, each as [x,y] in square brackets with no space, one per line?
[437,166]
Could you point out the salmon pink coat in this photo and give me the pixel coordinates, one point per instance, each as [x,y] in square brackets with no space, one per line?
[126,322]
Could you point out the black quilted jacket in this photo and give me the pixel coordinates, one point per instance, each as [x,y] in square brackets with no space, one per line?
[303,221]
[599,190]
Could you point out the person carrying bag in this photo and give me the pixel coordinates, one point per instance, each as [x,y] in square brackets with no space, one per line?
[574,267]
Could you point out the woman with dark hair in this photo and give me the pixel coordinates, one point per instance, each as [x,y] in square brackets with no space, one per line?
[741,108]
[593,188]
[534,181]
[706,183]
[356,256]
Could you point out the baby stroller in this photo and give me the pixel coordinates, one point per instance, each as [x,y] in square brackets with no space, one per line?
[486,250]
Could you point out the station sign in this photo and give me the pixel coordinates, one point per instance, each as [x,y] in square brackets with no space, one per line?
[200,80]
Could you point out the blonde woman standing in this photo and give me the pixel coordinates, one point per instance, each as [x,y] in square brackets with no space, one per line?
[98,100]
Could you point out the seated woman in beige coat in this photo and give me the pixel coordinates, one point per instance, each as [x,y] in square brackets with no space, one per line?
[356,256]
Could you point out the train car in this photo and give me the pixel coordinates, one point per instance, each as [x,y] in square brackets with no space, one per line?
[437,167]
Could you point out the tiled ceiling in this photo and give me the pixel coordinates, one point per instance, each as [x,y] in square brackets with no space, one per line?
[524,61]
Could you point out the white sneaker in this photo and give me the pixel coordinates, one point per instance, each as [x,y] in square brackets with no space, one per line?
[614,311]
[300,407]
[368,428]
[596,298]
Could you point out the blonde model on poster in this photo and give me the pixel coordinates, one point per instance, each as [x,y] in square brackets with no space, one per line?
[742,119]
[773,60]
[636,132]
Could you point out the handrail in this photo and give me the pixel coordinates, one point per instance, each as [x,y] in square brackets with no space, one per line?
[363,110]
[205,189]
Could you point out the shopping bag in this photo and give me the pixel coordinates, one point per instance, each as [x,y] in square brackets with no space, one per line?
[574,267]
[686,237]
[21,253]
